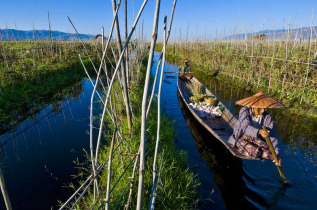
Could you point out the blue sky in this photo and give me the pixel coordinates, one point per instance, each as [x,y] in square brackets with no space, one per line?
[205,17]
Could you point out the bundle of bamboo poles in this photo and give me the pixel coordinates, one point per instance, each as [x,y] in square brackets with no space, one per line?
[118,81]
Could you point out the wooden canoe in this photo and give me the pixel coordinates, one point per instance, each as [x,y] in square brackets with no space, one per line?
[222,127]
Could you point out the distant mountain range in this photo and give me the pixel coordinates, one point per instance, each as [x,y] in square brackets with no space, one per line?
[299,33]
[12,34]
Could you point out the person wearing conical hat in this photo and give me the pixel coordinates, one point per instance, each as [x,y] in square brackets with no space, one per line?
[184,68]
[248,136]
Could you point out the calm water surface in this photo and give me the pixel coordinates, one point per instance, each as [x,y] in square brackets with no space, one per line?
[38,162]
[229,182]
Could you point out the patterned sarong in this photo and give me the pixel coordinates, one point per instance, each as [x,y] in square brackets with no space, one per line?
[252,147]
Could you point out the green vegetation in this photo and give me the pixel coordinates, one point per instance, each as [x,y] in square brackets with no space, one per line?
[278,66]
[296,125]
[32,81]
[178,184]
[27,97]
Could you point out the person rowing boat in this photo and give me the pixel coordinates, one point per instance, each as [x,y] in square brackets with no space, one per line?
[248,134]
[184,68]
[185,71]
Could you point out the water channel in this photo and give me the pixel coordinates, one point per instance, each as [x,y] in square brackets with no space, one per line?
[229,182]
[38,158]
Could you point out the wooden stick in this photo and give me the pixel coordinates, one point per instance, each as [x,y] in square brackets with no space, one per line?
[154,86]
[109,169]
[159,105]
[4,192]
[144,101]
[155,184]
[123,68]
[114,73]
[127,206]
[160,59]
[51,38]
[268,141]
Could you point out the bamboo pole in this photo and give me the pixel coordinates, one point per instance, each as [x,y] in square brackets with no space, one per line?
[268,140]
[160,59]
[126,36]
[92,99]
[109,169]
[91,179]
[127,206]
[33,44]
[144,101]
[88,54]
[154,86]
[51,38]
[4,192]
[159,106]
[123,68]
[114,73]
[308,54]
[4,52]
[102,40]
[157,179]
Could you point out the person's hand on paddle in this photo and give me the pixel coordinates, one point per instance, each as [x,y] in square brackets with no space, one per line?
[279,162]
[264,133]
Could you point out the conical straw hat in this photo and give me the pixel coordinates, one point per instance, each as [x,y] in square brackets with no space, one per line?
[260,100]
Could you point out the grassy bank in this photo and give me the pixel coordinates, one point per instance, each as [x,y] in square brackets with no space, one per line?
[33,74]
[26,96]
[178,185]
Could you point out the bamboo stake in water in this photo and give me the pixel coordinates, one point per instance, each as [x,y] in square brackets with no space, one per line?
[144,101]
[4,192]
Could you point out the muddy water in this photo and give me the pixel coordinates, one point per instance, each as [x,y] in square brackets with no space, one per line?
[229,182]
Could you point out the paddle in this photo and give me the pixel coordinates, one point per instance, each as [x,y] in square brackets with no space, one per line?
[268,141]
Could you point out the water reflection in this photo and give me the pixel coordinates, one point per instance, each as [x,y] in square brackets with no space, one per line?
[227,169]
[298,150]
[38,154]
[55,101]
